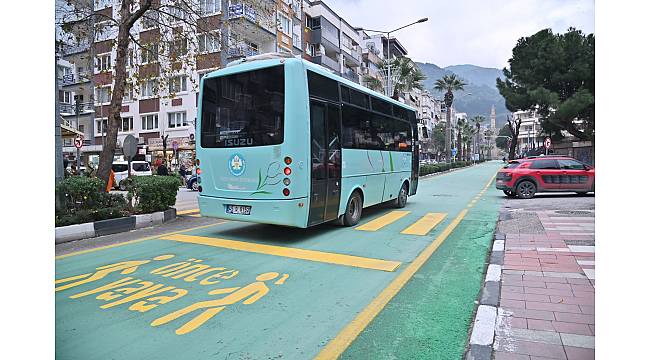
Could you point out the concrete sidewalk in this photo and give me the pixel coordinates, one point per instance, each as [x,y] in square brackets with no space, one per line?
[542,267]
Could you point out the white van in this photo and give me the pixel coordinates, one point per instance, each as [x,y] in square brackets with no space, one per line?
[121,170]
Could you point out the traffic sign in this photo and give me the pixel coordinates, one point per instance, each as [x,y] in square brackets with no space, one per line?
[130,146]
[453,152]
[547,142]
[175,145]
[79,141]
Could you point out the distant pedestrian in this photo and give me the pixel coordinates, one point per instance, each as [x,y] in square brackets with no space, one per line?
[183,173]
[162,170]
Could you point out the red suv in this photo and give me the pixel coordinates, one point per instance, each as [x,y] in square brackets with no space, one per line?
[525,177]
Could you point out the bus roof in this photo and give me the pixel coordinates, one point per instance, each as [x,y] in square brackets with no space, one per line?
[264,61]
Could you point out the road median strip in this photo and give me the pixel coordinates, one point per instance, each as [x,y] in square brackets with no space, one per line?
[289,252]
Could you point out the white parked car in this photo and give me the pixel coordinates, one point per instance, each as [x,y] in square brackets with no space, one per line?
[121,170]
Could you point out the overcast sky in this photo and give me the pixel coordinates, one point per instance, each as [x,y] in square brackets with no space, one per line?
[478,32]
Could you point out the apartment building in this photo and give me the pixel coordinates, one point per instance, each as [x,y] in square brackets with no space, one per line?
[75,94]
[530,135]
[331,41]
[161,98]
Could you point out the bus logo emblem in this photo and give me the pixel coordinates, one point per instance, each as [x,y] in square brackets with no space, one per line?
[236,164]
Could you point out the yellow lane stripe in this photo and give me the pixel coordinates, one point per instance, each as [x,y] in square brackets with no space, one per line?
[336,346]
[383,220]
[425,224]
[134,241]
[294,253]
[183,212]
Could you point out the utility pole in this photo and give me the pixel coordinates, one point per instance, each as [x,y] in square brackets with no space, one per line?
[58,145]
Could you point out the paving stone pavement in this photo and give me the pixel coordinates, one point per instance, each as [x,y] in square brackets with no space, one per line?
[545,308]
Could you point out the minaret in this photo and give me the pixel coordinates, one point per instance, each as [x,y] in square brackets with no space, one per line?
[493,118]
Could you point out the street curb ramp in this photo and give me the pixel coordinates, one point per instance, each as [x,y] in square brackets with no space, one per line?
[69,233]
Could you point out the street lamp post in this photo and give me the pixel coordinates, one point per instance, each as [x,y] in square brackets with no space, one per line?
[388,88]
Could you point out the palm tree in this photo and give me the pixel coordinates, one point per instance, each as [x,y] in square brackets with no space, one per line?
[405,74]
[477,120]
[449,83]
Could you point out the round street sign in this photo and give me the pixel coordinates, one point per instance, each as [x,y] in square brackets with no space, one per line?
[130,146]
[547,142]
[175,145]
[79,141]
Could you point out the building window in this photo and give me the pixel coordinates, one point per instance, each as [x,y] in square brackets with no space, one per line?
[150,19]
[81,128]
[176,13]
[149,54]
[177,84]
[177,119]
[210,42]
[209,6]
[178,47]
[127,124]
[149,122]
[103,94]
[296,41]
[313,23]
[103,62]
[65,97]
[311,49]
[100,126]
[285,24]
[128,92]
[149,87]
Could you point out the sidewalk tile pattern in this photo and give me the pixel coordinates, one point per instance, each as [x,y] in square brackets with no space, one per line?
[546,307]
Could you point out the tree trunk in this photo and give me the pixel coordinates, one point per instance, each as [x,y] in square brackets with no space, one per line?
[459,144]
[119,81]
[448,136]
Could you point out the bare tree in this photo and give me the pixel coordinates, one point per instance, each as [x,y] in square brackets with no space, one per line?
[174,34]
[513,126]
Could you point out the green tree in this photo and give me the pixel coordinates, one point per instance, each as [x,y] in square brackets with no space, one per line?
[405,74]
[554,74]
[438,138]
[449,84]
[502,139]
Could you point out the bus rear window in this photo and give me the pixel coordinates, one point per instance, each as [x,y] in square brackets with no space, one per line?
[244,109]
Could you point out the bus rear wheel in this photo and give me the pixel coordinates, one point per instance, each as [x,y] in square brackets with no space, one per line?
[353,210]
[402,197]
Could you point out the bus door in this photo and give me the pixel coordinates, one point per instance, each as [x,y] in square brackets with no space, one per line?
[325,162]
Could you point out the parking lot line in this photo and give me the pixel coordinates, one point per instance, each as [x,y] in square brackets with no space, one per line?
[382,221]
[424,224]
[289,252]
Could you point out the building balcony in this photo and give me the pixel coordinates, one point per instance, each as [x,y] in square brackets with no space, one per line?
[72,79]
[350,75]
[66,109]
[245,19]
[327,62]
[351,57]
[241,51]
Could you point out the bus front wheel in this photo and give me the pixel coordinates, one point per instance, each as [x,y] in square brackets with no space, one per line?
[353,210]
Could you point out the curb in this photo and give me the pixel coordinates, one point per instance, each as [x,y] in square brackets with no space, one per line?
[482,334]
[68,233]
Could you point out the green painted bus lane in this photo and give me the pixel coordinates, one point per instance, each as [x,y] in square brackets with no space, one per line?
[245,292]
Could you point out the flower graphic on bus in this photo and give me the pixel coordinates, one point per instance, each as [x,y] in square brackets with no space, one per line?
[272,177]
[236,164]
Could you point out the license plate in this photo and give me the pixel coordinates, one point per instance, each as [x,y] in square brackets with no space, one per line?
[238,209]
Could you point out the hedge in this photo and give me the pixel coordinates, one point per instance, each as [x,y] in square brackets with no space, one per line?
[427,169]
[81,199]
[152,193]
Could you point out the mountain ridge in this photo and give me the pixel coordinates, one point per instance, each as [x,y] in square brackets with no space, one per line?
[481,84]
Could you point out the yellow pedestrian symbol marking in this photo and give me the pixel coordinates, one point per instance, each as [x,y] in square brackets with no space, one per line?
[248,294]
[425,224]
[382,221]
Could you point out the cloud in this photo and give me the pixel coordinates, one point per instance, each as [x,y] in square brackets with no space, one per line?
[475,32]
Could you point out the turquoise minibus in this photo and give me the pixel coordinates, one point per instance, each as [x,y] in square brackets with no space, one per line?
[283,141]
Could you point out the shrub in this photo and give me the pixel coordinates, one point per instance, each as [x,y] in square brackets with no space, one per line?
[152,193]
[82,199]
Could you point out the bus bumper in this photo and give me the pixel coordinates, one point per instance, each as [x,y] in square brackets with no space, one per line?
[278,212]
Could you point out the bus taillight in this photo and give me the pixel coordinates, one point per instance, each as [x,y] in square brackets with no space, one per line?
[286,181]
[198,171]
[287,160]
[198,162]
[286,192]
[287,171]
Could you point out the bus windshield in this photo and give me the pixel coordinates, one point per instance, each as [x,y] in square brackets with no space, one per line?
[244,109]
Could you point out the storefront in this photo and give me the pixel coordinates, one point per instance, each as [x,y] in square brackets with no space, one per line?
[184,154]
